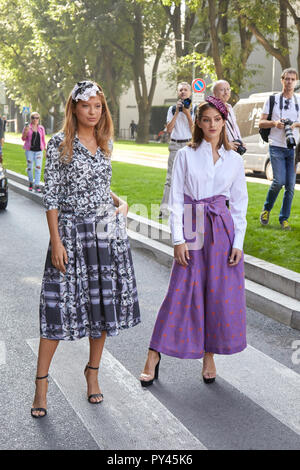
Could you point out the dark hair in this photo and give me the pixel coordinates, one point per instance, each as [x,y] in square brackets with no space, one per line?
[197,134]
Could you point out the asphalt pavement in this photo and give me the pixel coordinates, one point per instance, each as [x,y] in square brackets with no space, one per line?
[254,403]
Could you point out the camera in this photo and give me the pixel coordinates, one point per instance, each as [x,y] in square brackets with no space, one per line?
[290,141]
[241,149]
[185,103]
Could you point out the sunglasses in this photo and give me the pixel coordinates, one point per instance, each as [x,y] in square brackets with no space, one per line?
[35,117]
[287,104]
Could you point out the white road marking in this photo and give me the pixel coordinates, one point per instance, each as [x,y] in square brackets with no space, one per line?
[268,383]
[2,353]
[129,417]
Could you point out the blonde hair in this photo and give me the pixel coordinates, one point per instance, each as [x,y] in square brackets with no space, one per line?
[33,114]
[104,129]
[185,84]
[198,135]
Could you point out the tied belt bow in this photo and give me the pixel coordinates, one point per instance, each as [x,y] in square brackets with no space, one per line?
[214,206]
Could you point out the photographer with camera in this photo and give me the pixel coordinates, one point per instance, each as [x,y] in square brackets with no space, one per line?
[221,90]
[280,118]
[179,126]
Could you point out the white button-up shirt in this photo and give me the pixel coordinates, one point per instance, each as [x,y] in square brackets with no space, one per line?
[181,130]
[195,174]
[277,136]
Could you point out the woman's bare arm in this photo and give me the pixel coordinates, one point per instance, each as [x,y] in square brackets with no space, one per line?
[58,252]
[121,205]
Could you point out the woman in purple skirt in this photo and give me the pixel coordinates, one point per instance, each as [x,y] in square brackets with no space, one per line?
[204,311]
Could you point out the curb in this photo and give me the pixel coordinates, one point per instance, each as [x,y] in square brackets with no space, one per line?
[270,289]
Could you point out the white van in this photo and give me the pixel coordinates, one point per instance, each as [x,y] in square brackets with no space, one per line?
[248,112]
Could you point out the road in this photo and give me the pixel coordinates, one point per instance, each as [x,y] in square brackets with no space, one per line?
[254,403]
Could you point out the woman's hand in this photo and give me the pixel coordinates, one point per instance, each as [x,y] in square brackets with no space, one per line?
[25,131]
[233,145]
[122,208]
[235,257]
[59,256]
[181,254]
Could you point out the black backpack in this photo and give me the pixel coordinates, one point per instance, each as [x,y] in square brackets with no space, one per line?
[264,133]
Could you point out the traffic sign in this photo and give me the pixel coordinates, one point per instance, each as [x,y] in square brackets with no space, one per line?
[197,98]
[25,110]
[198,85]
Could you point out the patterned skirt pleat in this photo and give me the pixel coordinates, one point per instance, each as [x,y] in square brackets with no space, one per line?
[204,309]
[98,291]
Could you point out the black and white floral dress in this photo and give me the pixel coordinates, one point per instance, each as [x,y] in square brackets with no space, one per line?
[98,291]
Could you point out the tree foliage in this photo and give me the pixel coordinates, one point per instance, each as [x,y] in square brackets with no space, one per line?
[48,45]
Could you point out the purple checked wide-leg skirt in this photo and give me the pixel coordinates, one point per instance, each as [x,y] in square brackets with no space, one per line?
[204,309]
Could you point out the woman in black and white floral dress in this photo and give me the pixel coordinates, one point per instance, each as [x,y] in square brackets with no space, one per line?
[89,287]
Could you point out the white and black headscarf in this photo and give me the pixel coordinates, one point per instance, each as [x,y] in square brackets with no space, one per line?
[84,91]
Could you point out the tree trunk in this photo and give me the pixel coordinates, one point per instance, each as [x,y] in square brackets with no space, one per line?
[112,93]
[296,19]
[57,116]
[144,98]
[283,34]
[284,59]
[214,38]
[144,124]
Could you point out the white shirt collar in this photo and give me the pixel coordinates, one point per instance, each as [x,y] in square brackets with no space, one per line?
[222,152]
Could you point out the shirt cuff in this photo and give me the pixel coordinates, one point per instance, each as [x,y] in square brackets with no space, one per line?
[238,241]
[177,233]
[178,243]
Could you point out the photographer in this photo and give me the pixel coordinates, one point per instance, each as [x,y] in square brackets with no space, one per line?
[282,138]
[221,89]
[179,126]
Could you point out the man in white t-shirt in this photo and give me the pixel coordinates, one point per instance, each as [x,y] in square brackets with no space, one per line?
[179,126]
[286,106]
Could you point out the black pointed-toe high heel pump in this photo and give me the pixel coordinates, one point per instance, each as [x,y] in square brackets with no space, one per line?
[147,383]
[208,380]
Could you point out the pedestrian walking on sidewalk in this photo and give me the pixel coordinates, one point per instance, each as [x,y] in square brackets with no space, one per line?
[281,119]
[179,125]
[88,287]
[2,133]
[204,310]
[34,136]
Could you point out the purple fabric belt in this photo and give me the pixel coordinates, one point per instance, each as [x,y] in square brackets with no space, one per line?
[214,206]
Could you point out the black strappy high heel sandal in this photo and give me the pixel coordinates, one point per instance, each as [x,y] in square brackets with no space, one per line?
[93,395]
[40,409]
[147,383]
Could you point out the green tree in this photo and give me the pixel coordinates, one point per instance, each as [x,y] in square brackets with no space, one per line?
[268,21]
[48,45]
[148,32]
[221,42]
